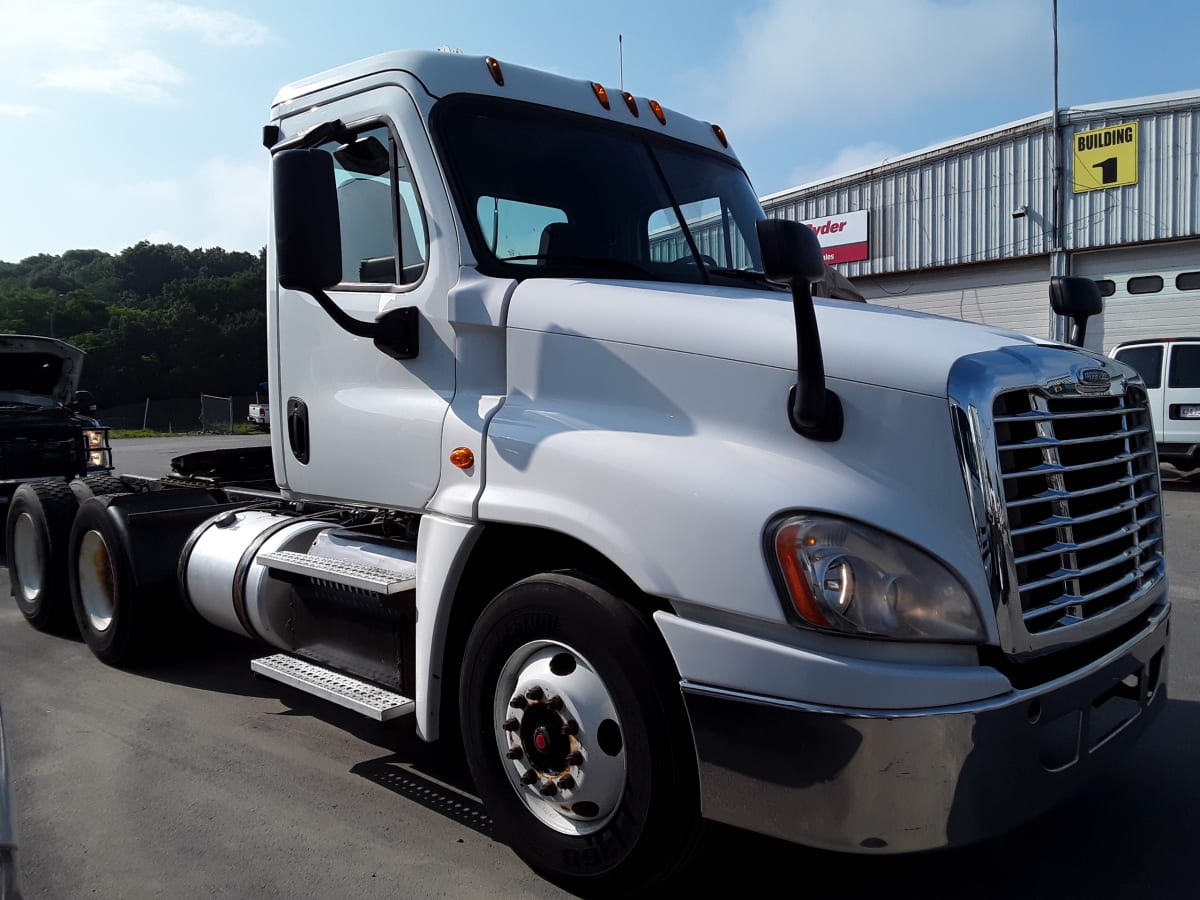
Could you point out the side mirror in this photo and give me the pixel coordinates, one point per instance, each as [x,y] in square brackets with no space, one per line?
[792,255]
[1078,299]
[308,239]
[84,403]
[308,245]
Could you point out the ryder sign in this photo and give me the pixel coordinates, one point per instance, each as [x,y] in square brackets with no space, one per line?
[843,237]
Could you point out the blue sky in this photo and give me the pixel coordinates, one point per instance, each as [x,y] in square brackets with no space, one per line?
[125,120]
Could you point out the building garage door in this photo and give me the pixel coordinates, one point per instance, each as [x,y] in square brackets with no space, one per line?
[1153,291]
[1013,295]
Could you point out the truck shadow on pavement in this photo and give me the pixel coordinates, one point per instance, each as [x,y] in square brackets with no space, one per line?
[1174,480]
[1128,834]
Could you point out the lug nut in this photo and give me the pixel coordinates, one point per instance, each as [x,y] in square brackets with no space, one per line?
[518,702]
[534,694]
[574,758]
[555,702]
[567,783]
[549,789]
[570,727]
[514,753]
[511,724]
[529,777]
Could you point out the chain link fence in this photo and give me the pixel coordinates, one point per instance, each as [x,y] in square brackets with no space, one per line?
[181,415]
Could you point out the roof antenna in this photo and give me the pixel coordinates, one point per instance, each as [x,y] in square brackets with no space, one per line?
[621,58]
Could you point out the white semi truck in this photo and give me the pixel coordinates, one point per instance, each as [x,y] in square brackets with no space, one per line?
[660,540]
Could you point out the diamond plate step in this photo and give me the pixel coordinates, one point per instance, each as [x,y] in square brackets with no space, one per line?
[372,701]
[368,578]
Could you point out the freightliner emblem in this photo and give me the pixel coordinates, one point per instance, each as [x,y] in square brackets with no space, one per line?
[1094,381]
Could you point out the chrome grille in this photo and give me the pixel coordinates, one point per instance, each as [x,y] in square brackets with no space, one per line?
[1079,479]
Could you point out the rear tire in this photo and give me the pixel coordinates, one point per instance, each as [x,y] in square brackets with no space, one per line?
[612,803]
[113,614]
[36,537]
[99,486]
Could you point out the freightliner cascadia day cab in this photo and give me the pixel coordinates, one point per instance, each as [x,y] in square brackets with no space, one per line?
[567,464]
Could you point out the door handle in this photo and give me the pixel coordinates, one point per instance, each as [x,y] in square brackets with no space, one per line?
[297,427]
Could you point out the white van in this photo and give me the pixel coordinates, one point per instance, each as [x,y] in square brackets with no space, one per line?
[1171,369]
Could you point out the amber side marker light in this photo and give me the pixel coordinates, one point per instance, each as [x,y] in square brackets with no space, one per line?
[601,94]
[793,575]
[720,133]
[494,68]
[630,102]
[658,112]
[462,457]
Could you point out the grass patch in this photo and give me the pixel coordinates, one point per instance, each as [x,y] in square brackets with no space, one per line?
[120,434]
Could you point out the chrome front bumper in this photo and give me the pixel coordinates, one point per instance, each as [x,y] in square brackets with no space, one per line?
[897,781]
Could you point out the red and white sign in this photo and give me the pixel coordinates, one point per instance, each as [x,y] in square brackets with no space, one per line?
[843,237]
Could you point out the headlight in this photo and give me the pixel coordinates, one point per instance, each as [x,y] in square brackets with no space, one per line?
[94,439]
[843,576]
[96,459]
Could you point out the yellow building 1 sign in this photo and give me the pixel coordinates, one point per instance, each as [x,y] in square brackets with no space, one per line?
[1106,157]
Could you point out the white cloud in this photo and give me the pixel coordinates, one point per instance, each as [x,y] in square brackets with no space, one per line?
[113,46]
[214,26]
[822,63]
[140,75]
[223,202]
[18,110]
[848,159]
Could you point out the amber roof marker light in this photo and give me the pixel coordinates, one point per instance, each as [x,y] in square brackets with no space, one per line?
[720,133]
[658,112]
[601,94]
[630,102]
[494,67]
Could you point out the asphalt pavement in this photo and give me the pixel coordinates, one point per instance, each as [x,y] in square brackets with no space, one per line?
[192,779]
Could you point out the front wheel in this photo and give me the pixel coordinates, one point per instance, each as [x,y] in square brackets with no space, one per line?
[576,735]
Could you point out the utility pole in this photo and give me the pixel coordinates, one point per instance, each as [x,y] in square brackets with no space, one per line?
[1057,226]
[1060,261]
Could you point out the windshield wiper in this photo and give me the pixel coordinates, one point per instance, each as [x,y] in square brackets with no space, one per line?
[18,404]
[607,263]
[744,275]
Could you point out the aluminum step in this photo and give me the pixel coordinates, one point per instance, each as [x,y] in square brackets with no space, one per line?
[371,700]
[367,578]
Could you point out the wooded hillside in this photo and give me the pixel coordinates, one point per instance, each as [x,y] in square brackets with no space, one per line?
[156,320]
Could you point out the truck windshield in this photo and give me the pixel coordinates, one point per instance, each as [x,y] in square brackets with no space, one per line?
[545,193]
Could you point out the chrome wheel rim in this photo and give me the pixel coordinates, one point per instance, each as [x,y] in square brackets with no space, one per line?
[96,588]
[27,557]
[560,740]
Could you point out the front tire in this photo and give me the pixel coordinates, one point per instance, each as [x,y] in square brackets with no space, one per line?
[576,735]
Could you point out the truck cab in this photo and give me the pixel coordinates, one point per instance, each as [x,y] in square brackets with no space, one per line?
[572,467]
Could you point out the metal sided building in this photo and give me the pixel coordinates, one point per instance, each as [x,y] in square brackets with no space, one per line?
[966,228]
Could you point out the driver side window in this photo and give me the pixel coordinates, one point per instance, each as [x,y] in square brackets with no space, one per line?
[382,228]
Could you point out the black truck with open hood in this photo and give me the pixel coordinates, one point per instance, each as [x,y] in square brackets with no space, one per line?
[42,435]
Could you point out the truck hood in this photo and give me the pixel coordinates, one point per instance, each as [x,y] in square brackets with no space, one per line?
[871,344]
[38,368]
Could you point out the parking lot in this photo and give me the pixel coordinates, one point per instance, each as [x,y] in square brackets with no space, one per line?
[192,779]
